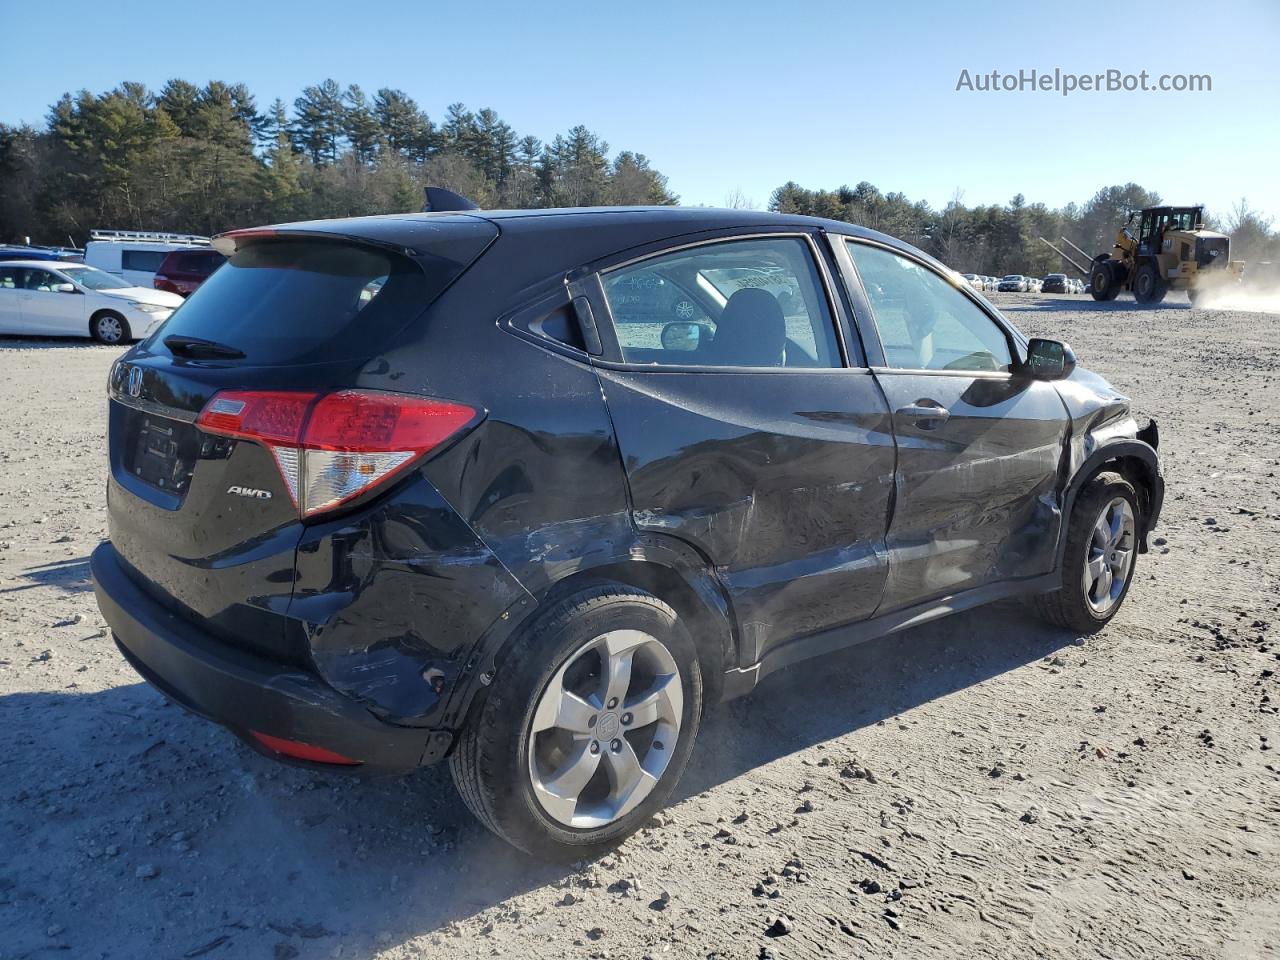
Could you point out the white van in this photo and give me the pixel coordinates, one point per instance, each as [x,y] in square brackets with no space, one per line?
[135,255]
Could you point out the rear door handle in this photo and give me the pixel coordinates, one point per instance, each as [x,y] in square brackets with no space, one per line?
[926,414]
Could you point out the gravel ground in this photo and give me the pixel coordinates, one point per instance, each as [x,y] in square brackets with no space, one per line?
[1001,790]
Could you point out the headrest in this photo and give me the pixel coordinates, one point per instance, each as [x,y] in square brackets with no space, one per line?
[751,331]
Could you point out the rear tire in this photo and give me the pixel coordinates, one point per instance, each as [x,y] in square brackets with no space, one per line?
[1148,286]
[107,326]
[1103,283]
[1097,570]
[548,760]
[1192,296]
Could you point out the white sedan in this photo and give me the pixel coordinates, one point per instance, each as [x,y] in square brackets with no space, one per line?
[43,298]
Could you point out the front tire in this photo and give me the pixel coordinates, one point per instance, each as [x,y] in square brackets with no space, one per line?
[1098,563]
[587,726]
[1103,283]
[1148,286]
[109,327]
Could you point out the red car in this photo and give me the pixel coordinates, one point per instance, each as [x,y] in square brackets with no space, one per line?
[182,271]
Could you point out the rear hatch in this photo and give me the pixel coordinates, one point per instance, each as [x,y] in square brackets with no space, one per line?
[207,523]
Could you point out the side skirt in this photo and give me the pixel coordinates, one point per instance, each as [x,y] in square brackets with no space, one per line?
[741,681]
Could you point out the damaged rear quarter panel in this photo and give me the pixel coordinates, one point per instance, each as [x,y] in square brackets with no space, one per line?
[393,598]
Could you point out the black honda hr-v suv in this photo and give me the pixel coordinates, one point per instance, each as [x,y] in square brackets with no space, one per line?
[527,490]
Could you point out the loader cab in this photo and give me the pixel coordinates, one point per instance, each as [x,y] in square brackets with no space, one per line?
[1156,221]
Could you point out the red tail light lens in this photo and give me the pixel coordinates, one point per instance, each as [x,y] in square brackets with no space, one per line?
[161,282]
[266,415]
[333,447]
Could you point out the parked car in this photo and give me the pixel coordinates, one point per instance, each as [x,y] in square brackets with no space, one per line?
[135,255]
[394,490]
[182,271]
[1033,284]
[44,298]
[1013,283]
[973,280]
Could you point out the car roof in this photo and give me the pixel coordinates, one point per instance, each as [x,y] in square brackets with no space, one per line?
[29,254]
[42,264]
[628,225]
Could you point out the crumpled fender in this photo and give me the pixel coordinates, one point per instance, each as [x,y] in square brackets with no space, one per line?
[1103,428]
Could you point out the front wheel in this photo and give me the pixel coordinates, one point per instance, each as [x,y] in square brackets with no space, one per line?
[1103,283]
[1148,286]
[587,726]
[1097,565]
[109,327]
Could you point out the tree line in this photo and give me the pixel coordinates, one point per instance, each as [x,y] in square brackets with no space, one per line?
[202,159]
[996,240]
[205,159]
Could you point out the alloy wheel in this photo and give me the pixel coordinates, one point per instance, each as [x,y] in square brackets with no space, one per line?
[605,729]
[1109,559]
[109,329]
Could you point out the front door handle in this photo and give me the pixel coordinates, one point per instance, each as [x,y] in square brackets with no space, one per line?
[925,414]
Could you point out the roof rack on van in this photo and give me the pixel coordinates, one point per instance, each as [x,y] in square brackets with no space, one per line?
[140,236]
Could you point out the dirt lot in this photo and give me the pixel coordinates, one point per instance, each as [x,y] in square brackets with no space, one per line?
[984,787]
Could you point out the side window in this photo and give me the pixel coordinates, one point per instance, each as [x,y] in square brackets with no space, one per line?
[925,323]
[10,278]
[147,261]
[41,280]
[738,303]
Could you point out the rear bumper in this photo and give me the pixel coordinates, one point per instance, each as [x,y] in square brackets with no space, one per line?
[244,692]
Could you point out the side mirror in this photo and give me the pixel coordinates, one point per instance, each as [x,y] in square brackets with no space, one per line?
[681,336]
[64,288]
[1049,359]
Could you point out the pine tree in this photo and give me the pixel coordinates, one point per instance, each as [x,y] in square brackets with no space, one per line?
[633,181]
[406,129]
[361,127]
[318,123]
[179,99]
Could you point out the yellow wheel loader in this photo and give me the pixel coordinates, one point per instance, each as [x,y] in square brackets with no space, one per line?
[1167,249]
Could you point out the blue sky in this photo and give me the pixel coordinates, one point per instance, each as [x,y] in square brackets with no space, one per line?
[742,95]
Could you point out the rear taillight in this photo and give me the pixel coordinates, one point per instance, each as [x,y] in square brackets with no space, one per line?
[333,447]
[161,282]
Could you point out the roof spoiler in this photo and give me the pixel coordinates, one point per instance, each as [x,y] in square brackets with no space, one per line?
[438,199]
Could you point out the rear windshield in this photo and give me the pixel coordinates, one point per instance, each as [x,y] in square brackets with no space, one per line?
[303,301]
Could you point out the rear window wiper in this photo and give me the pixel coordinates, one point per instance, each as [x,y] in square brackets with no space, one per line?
[200,347]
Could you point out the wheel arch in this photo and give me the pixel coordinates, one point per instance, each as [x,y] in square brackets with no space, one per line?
[663,569]
[698,604]
[112,312]
[1137,461]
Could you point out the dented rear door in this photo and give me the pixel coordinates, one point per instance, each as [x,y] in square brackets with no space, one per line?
[780,471]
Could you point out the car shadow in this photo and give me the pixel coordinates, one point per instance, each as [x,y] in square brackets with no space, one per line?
[16,342]
[121,812]
[819,700]
[69,576]
[1088,305]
